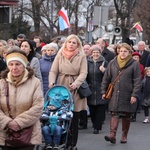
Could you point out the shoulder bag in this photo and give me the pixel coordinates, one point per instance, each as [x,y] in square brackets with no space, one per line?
[19,138]
[84,90]
[110,88]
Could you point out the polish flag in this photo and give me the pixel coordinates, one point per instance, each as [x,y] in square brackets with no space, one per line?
[138,27]
[63,19]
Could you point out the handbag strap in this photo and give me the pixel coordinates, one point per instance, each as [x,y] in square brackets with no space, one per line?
[7,97]
[118,76]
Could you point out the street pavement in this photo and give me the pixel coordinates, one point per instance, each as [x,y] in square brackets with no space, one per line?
[138,136]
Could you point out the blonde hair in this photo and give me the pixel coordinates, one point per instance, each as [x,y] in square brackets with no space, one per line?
[146,69]
[71,37]
[3,49]
[127,46]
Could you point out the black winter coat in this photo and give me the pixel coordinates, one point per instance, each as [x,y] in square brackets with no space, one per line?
[127,86]
[2,64]
[108,55]
[94,79]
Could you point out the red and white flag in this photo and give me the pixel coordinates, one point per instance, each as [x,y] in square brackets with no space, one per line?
[63,19]
[137,26]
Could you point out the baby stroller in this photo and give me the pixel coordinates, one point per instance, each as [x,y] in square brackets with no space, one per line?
[57,112]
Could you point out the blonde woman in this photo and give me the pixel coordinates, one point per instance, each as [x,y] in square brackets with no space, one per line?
[70,70]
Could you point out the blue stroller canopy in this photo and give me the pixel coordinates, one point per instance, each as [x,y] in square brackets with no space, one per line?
[64,94]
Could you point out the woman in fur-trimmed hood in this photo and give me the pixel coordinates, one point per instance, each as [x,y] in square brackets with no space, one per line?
[25,99]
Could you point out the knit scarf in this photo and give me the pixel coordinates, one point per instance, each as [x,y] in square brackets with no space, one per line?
[16,80]
[122,62]
[69,54]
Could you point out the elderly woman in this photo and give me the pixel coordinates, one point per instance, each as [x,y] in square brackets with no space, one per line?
[123,102]
[70,70]
[96,68]
[46,63]
[21,110]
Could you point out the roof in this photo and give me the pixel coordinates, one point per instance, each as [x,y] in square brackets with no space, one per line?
[8,2]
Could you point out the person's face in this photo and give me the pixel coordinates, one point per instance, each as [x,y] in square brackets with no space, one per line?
[148,73]
[37,41]
[25,47]
[4,54]
[137,58]
[10,43]
[87,50]
[43,53]
[51,51]
[96,54]
[72,44]
[123,53]
[19,40]
[101,43]
[141,46]
[16,68]
[51,107]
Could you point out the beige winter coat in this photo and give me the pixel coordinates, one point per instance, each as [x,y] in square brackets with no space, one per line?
[26,103]
[69,71]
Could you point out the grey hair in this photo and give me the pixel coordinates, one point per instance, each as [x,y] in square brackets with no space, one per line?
[45,47]
[54,45]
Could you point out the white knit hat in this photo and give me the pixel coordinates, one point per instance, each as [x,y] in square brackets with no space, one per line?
[17,56]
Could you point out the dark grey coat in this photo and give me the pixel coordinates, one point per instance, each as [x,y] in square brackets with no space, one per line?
[128,85]
[94,79]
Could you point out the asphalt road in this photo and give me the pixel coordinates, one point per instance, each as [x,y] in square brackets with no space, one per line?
[138,137]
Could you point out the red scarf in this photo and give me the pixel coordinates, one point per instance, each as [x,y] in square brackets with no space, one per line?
[69,54]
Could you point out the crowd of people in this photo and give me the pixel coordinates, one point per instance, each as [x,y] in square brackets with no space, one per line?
[33,67]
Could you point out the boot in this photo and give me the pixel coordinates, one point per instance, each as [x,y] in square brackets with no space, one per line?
[125,129]
[83,120]
[114,121]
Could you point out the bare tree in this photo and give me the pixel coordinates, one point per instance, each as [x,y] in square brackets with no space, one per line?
[141,14]
[124,9]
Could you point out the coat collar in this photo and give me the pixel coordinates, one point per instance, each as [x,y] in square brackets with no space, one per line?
[25,77]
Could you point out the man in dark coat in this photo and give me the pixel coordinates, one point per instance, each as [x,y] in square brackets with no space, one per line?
[108,55]
[143,53]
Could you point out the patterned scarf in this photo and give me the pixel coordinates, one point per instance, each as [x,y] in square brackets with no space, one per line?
[69,54]
[122,62]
